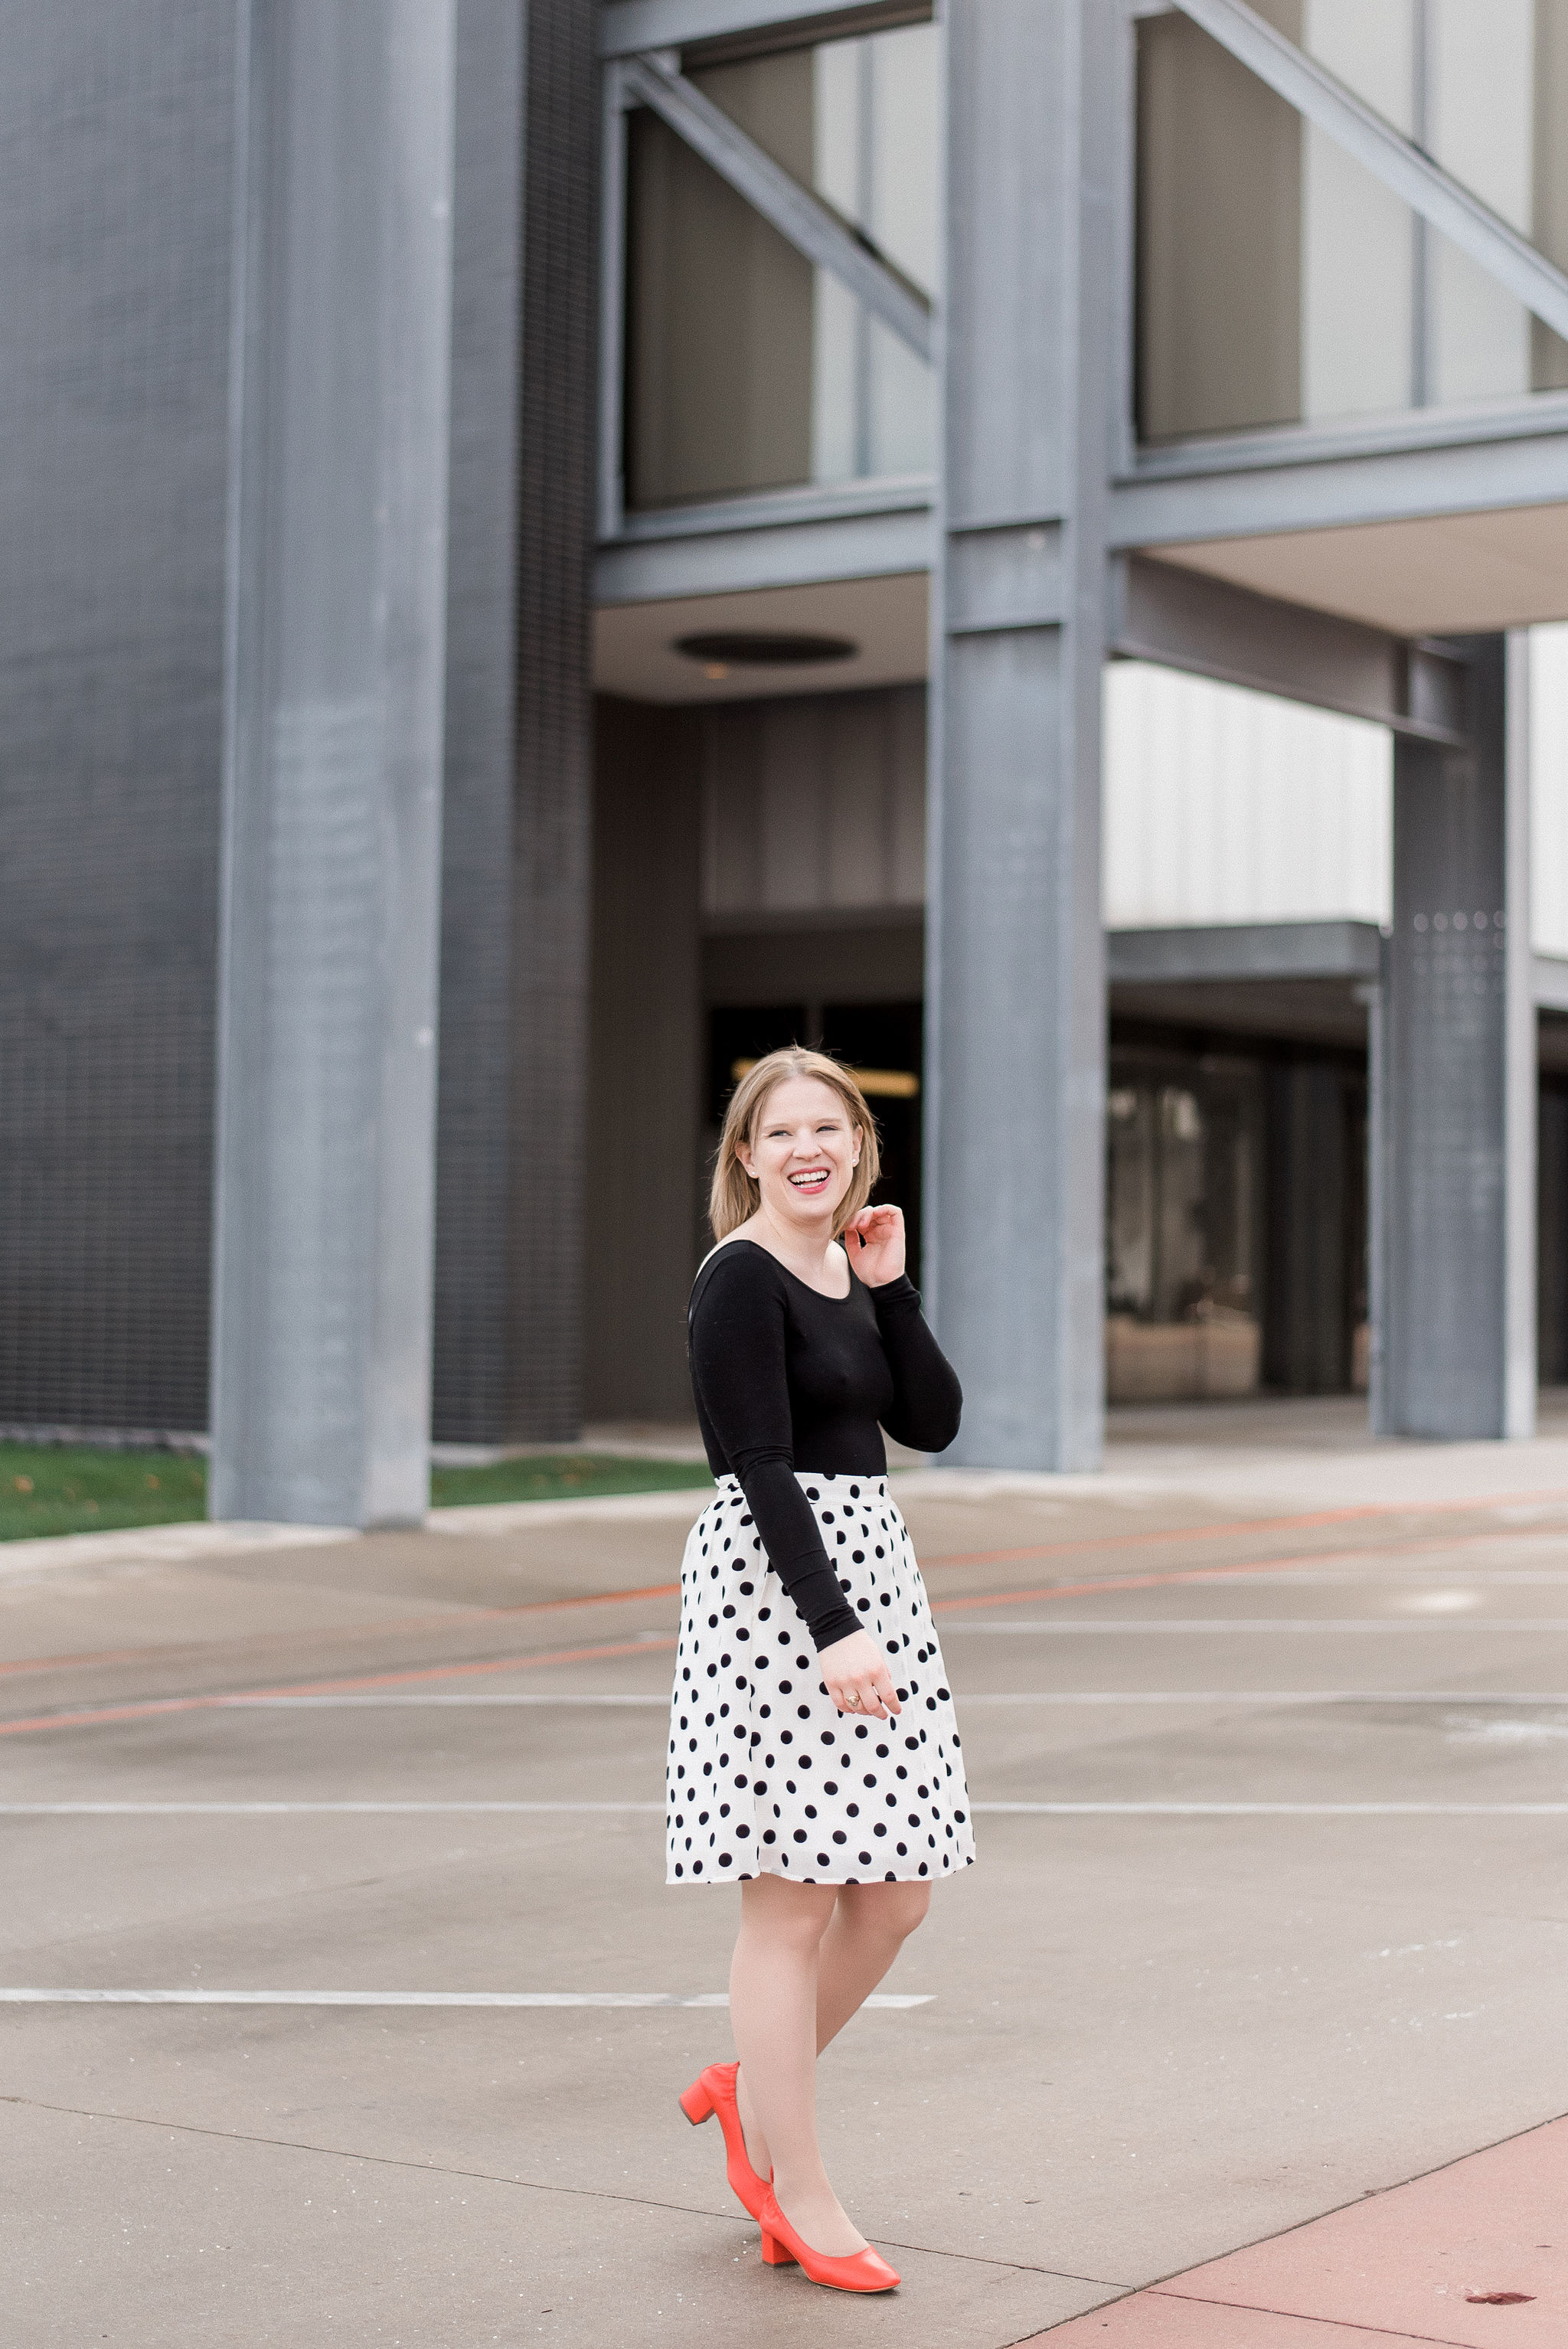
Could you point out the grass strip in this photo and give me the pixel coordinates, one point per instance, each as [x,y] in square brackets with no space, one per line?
[75,1488]
[561,1475]
[64,1488]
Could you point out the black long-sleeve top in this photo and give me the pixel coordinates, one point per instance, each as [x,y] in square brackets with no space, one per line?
[787,1379]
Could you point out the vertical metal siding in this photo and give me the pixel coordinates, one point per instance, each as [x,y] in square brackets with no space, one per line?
[1224,805]
[116,127]
[557,466]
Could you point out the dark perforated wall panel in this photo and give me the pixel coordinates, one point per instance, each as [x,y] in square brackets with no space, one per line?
[115,147]
[472,1155]
[550,993]
[513,1078]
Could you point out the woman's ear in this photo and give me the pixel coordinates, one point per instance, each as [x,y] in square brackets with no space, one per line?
[860,1137]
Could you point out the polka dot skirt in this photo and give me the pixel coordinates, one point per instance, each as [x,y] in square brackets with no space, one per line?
[766,1776]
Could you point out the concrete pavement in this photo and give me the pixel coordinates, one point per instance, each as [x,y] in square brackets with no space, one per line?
[1266,1731]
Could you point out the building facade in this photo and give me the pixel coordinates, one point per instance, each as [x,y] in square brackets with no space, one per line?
[555,545]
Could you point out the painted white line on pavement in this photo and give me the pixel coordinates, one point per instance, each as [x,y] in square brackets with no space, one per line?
[970,1697]
[1278,1810]
[401,1998]
[1262,1696]
[1248,1624]
[1415,1576]
[427,1696]
[979,1810]
[296,1810]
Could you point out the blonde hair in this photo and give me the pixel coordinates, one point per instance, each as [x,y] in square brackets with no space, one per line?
[736,1195]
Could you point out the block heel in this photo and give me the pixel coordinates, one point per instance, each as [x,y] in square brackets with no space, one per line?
[695,2103]
[711,2092]
[864,2271]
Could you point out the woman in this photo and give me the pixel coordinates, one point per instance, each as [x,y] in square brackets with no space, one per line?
[813,1755]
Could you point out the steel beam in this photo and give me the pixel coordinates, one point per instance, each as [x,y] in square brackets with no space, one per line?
[1430,192]
[1455,1077]
[1219,951]
[332,770]
[1016,1003]
[784,541]
[628,27]
[1310,480]
[1187,620]
[798,215]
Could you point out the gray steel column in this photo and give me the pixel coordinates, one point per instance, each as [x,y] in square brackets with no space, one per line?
[1458,1118]
[1016,981]
[332,763]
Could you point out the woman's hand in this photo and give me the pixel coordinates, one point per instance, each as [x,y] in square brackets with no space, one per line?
[874,1242]
[857,1676]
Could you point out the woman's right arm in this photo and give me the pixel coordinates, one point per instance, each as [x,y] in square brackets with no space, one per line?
[739,1370]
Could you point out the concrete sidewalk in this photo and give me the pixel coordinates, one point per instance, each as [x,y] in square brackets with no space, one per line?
[1266,1739]
[1473,2255]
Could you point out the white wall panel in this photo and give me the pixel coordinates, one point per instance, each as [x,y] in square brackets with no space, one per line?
[1223,805]
[1548,789]
[1356,324]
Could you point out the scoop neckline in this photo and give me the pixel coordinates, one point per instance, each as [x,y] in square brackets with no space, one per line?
[795,1277]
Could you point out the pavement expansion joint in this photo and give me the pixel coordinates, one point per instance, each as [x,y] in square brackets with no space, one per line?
[379,2160]
[526,2185]
[1318,2323]
[887,2002]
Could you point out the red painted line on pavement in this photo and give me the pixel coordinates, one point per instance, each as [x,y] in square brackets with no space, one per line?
[452,1622]
[1217,1573]
[1097,1542]
[234,1699]
[1252,1526]
[1144,1538]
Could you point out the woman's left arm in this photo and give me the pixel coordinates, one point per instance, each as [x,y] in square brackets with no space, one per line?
[928,1401]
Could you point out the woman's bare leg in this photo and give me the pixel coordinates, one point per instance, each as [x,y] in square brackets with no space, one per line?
[871,1924]
[773,2014]
[866,1926]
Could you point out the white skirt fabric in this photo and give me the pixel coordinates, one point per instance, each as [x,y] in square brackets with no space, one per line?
[766,1776]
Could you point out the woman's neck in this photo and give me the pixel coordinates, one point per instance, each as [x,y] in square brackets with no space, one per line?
[808,1254]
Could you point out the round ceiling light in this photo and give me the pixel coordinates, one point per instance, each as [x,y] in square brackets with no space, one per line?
[757,649]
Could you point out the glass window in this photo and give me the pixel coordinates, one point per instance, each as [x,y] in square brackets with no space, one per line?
[1183,1154]
[1279,281]
[747,367]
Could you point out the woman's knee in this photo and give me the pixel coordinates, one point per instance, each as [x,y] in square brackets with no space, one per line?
[889,1911]
[796,1915]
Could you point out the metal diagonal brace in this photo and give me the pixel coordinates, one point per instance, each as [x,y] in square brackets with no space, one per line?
[1463,219]
[792,209]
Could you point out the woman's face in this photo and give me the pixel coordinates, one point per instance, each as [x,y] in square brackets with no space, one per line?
[803,1153]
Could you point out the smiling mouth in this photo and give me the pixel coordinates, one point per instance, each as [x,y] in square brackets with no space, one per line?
[814,1178]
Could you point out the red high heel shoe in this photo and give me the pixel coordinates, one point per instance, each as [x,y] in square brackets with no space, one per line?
[713,2091]
[864,2271]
